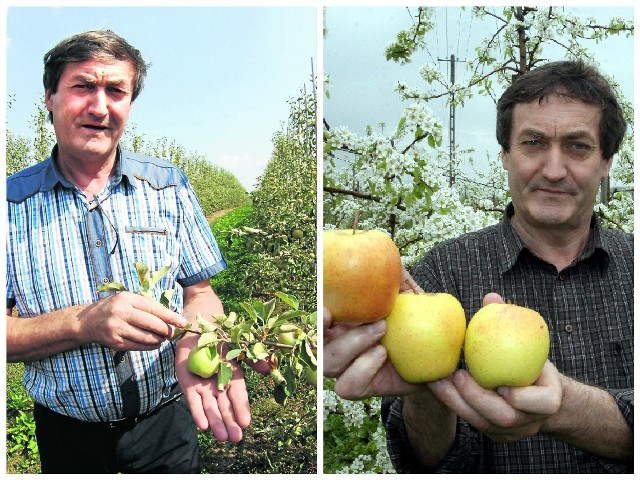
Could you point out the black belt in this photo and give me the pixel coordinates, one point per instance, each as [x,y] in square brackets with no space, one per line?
[130,422]
[123,423]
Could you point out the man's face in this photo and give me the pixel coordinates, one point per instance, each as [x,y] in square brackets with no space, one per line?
[91,108]
[555,162]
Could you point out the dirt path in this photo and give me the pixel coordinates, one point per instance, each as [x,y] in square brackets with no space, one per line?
[218,214]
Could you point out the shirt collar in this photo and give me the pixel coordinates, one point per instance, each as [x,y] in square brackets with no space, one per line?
[53,176]
[514,246]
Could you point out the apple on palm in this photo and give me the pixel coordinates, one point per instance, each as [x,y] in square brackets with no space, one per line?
[506,344]
[203,361]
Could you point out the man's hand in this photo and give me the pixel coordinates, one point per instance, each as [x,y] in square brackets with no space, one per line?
[126,321]
[354,356]
[225,412]
[508,414]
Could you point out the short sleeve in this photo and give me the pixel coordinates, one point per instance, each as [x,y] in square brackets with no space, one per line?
[201,256]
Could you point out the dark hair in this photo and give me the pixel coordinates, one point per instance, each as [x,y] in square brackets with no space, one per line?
[95,44]
[573,79]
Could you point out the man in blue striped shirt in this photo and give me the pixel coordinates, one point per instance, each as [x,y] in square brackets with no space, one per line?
[106,379]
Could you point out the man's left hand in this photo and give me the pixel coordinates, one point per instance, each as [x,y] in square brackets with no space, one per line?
[225,412]
[508,414]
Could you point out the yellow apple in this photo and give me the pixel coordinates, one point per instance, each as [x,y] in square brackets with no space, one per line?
[424,337]
[361,272]
[506,344]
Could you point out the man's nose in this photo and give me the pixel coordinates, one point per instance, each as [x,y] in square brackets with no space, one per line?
[554,168]
[98,103]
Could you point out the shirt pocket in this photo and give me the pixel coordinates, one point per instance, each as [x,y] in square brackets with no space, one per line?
[152,243]
[620,369]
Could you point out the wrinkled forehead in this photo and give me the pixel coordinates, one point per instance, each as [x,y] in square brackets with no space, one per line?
[99,71]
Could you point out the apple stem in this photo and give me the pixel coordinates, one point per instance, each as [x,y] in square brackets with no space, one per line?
[356,220]
[412,286]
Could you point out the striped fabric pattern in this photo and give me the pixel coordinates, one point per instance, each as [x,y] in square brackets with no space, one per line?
[147,213]
[588,307]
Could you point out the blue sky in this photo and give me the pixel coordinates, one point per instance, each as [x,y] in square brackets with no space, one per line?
[219,80]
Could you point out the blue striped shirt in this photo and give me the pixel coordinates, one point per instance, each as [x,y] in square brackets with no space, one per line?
[62,245]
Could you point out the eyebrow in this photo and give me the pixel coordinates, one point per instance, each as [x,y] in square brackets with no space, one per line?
[578,134]
[115,82]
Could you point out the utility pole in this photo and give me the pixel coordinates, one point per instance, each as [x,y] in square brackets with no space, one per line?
[452,120]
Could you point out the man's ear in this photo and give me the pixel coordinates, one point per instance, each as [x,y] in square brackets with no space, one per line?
[504,157]
[48,101]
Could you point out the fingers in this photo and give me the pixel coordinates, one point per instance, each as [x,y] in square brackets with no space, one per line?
[356,381]
[506,415]
[492,298]
[544,397]
[157,311]
[345,348]
[225,412]
[408,284]
[326,318]
[134,322]
[197,407]
[482,407]
[238,401]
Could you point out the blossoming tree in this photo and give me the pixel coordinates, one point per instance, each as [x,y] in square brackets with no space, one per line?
[403,180]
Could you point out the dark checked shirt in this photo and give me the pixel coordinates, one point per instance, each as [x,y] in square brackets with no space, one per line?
[62,245]
[589,309]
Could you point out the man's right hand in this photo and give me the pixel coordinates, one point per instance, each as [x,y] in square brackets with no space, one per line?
[354,356]
[126,321]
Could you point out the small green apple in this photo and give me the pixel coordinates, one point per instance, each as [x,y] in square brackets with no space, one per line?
[424,337]
[288,334]
[203,361]
[506,344]
[311,375]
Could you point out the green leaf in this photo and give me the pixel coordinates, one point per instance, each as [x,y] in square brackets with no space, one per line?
[269,307]
[286,316]
[165,298]
[177,333]
[232,354]
[250,309]
[230,320]
[207,338]
[289,300]
[204,325]
[306,354]
[224,375]
[112,287]
[143,275]
[280,394]
[157,276]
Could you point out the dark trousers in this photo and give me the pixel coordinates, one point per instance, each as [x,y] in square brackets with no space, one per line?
[166,441]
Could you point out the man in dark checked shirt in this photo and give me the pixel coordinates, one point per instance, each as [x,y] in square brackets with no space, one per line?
[559,127]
